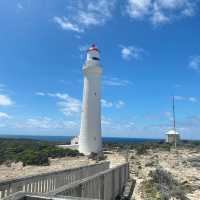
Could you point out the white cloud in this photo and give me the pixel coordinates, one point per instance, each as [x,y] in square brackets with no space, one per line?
[40,93]
[5,100]
[38,123]
[159,18]
[179,98]
[195,62]
[190,126]
[19,6]
[193,99]
[116,82]
[106,121]
[85,13]
[119,104]
[46,123]
[190,99]
[111,126]
[129,124]
[189,12]
[168,115]
[2,87]
[130,52]
[88,19]
[106,104]
[177,85]
[4,115]
[155,117]
[160,11]
[71,106]
[138,8]
[68,105]
[65,24]
[171,4]
[120,126]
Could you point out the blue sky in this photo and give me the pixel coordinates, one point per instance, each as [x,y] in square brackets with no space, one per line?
[149,51]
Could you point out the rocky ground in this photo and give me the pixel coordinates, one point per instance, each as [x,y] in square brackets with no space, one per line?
[116,158]
[183,165]
[16,170]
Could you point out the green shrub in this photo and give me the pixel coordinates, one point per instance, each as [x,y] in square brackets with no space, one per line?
[167,185]
[30,157]
[31,152]
[142,149]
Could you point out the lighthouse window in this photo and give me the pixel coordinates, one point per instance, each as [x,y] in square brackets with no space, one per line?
[95,58]
[95,94]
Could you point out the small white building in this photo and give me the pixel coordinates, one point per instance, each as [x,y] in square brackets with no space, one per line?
[172,136]
[74,140]
[73,144]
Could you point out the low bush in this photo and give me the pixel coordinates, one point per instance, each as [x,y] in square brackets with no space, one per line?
[166,185]
[31,152]
[30,157]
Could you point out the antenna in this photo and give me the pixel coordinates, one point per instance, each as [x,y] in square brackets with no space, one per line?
[174,121]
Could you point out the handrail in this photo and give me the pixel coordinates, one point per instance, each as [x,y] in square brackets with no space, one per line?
[103,185]
[46,182]
[45,173]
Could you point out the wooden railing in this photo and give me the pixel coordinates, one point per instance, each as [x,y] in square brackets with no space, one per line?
[105,185]
[47,182]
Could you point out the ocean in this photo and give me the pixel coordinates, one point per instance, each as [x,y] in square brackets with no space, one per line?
[68,138]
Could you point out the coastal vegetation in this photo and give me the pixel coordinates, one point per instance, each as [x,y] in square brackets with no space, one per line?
[162,186]
[35,152]
[142,148]
[31,152]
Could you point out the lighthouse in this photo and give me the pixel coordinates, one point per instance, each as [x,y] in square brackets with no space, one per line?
[90,140]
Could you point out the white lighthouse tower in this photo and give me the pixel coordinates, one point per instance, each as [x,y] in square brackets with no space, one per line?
[90,140]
